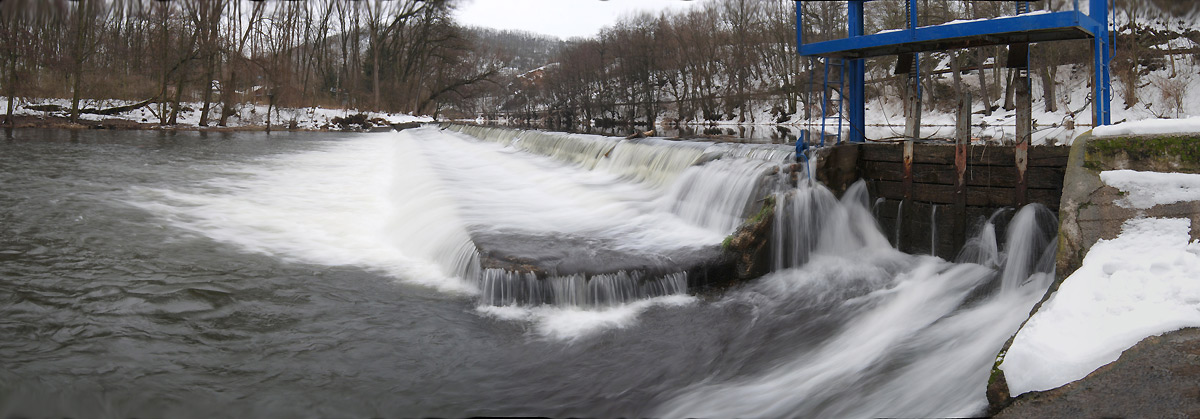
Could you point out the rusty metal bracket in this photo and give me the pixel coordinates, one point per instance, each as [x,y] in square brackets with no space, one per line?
[908,176]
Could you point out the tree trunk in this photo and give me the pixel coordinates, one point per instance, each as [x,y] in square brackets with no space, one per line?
[166,73]
[212,20]
[984,95]
[77,71]
[227,98]
[208,78]
[175,107]
[1048,77]
[375,70]
[12,89]
[1010,90]
[270,107]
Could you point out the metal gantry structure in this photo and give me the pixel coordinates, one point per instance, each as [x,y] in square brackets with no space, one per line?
[1019,30]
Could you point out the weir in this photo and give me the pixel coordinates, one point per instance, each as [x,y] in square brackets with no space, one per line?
[929,197]
[712,187]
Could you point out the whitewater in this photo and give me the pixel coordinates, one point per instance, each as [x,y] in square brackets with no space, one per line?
[370,253]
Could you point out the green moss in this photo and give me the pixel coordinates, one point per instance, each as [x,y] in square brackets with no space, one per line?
[767,210]
[1186,148]
[996,366]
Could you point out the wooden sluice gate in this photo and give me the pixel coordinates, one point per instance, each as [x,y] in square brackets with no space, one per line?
[930,197]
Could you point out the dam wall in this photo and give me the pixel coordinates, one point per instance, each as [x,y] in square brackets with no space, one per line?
[930,197]
[1093,210]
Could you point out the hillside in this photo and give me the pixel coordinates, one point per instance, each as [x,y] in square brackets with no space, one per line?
[663,74]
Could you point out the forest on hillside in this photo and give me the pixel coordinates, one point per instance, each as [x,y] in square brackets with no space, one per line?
[717,61]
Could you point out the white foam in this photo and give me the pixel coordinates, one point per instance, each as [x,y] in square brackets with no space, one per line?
[569,323]
[330,206]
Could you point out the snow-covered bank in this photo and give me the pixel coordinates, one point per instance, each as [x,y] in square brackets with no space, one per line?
[1143,283]
[1150,127]
[246,115]
[1140,278]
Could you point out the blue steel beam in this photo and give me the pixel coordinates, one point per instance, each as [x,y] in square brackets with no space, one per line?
[999,31]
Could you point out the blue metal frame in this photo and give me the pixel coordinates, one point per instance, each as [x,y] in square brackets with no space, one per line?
[856,46]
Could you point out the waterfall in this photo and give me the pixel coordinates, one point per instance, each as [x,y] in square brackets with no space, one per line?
[893,334]
[425,221]
[811,220]
[501,287]
[707,187]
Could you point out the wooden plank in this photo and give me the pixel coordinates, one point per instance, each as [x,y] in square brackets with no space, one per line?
[881,170]
[1048,156]
[933,154]
[882,152]
[888,189]
[977,155]
[1038,177]
[990,196]
[939,194]
[991,155]
[1048,197]
[922,173]
[977,196]
[1046,177]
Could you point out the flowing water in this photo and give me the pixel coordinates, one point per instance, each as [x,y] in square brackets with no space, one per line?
[155,274]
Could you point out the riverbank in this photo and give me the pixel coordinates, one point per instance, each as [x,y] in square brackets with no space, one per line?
[60,122]
[1156,378]
[54,113]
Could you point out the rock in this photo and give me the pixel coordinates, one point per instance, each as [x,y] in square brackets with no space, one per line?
[997,392]
[1159,377]
[750,244]
[645,134]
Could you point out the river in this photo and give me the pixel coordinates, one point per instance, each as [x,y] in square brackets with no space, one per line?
[159,274]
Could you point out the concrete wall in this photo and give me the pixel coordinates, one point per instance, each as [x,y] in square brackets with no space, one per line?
[1089,212]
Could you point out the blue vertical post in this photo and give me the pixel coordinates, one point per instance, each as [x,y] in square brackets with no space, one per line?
[824,99]
[841,99]
[857,70]
[1102,96]
[915,75]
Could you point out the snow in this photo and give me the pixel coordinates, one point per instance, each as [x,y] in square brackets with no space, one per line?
[1148,189]
[960,21]
[1142,283]
[1150,127]
[246,115]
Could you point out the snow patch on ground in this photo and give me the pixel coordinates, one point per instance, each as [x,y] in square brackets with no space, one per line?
[1150,127]
[1142,283]
[1149,189]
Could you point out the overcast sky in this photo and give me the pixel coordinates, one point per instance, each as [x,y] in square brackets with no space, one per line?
[561,18]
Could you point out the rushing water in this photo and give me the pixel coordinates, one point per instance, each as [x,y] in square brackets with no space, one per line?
[154,274]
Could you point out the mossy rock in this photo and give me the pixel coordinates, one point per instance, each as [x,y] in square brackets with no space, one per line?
[1172,153]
